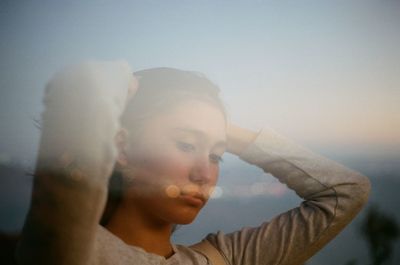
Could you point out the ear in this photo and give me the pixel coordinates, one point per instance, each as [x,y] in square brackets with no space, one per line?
[121,142]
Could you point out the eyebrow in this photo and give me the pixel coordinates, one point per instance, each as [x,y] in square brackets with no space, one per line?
[200,134]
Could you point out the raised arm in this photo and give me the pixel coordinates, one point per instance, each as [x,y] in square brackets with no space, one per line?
[83,104]
[332,193]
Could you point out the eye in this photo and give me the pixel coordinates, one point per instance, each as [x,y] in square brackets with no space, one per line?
[216,158]
[186,147]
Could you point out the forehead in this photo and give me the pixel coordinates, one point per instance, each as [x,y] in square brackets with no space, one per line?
[193,117]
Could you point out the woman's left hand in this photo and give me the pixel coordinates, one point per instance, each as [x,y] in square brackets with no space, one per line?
[239,138]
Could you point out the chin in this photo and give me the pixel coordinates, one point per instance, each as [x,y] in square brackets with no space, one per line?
[184,217]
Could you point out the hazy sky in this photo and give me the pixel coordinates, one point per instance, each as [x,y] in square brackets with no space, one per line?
[326,73]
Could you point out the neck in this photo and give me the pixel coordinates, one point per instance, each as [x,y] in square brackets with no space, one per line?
[134,228]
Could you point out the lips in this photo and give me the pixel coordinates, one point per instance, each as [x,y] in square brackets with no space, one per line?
[194,199]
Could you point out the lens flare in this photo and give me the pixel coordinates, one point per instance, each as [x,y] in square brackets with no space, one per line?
[216,192]
[172,191]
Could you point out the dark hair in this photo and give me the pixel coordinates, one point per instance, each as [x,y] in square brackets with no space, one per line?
[159,89]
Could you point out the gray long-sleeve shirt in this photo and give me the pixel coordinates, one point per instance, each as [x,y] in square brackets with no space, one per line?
[62,226]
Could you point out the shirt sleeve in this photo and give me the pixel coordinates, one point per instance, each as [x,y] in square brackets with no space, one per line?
[82,106]
[332,193]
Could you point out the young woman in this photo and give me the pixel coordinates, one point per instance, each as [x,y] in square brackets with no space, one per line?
[160,137]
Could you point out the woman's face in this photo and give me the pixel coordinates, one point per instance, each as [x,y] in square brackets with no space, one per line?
[173,166]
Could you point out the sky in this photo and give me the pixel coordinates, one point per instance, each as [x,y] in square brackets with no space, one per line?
[324,73]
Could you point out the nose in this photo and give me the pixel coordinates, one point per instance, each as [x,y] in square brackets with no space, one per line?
[201,173]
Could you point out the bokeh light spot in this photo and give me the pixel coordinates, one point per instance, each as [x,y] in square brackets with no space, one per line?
[172,191]
[216,192]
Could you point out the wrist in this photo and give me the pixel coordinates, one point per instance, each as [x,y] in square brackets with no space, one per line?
[239,138]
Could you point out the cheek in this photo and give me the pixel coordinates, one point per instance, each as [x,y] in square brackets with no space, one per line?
[171,168]
[160,167]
